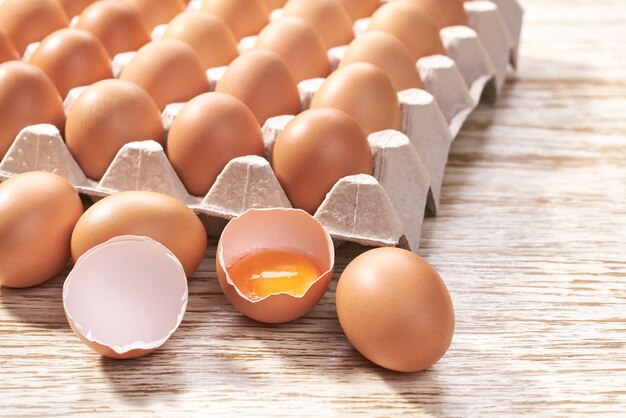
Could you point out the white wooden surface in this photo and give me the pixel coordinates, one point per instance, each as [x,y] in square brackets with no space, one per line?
[531,240]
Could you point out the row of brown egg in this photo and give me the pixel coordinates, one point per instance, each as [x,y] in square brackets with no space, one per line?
[175,86]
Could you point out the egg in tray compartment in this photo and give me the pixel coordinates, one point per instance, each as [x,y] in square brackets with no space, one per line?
[408,129]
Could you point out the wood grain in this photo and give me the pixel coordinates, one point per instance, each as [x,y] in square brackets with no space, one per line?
[531,240]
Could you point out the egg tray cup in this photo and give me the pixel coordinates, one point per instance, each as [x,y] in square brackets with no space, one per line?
[385,209]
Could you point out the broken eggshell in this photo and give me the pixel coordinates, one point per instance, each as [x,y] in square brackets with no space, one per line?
[291,230]
[126,297]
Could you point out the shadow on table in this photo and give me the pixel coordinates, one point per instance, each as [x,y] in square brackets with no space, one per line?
[139,380]
[420,389]
[40,306]
[315,349]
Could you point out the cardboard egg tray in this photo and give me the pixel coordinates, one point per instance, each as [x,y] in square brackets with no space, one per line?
[385,209]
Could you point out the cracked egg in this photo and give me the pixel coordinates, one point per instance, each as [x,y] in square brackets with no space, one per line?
[274,265]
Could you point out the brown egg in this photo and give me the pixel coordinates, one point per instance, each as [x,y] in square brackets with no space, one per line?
[411,25]
[299,44]
[7,50]
[387,53]
[364,92]
[209,131]
[38,212]
[157,12]
[395,309]
[148,214]
[358,9]
[274,4]
[207,34]
[262,81]
[106,116]
[327,16]
[314,151]
[444,12]
[72,58]
[75,7]
[243,17]
[27,21]
[119,26]
[169,70]
[27,97]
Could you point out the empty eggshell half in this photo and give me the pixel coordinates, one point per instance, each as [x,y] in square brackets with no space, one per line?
[126,297]
[291,230]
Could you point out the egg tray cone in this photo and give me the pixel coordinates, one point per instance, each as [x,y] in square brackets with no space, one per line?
[385,209]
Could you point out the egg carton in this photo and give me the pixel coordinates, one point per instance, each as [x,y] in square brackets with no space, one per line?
[408,165]
[395,195]
[475,67]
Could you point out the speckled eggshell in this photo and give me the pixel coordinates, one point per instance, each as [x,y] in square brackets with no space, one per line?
[209,131]
[243,17]
[38,211]
[299,44]
[387,53]
[328,17]
[411,25]
[72,58]
[7,50]
[27,97]
[207,34]
[444,12]
[169,70]
[142,213]
[395,309]
[262,80]
[314,151]
[106,116]
[364,92]
[157,12]
[27,21]
[359,9]
[118,25]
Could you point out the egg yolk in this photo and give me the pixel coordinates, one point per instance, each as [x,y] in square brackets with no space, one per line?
[270,272]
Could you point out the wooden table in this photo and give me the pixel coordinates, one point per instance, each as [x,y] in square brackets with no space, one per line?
[531,240]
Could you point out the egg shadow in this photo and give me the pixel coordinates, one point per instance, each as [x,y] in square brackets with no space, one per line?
[422,389]
[39,306]
[315,348]
[139,380]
